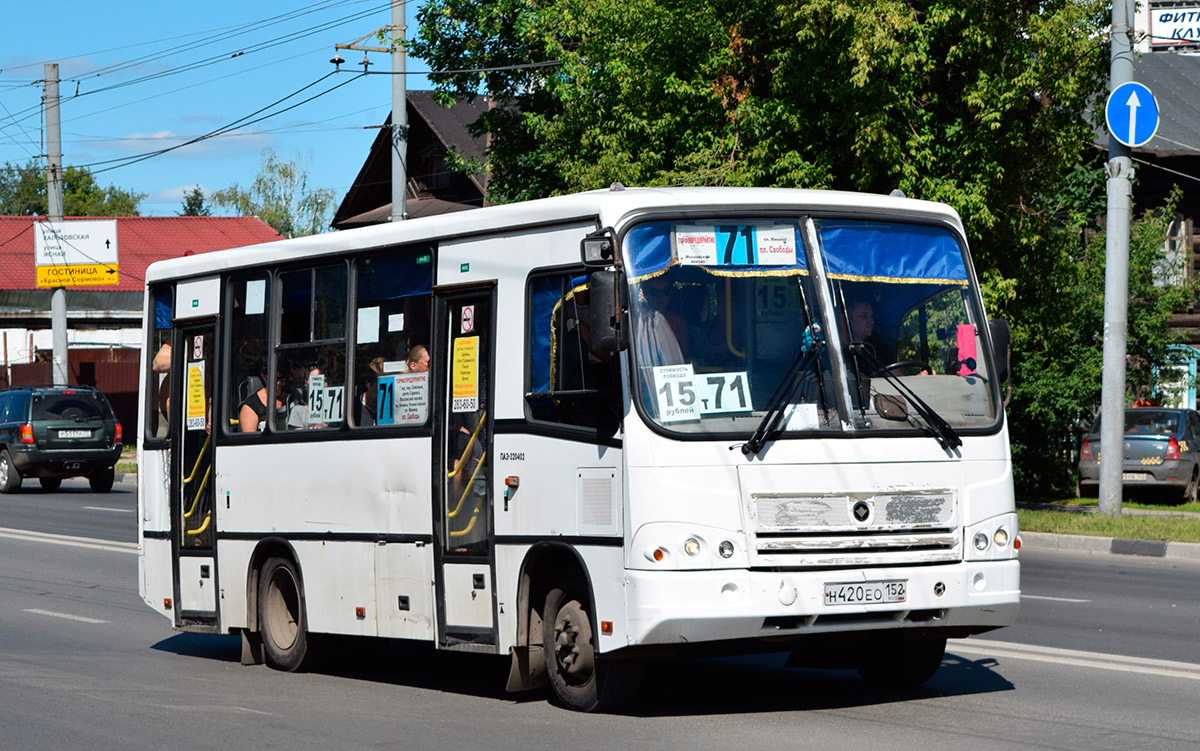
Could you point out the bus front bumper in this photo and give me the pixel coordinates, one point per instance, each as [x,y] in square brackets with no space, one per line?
[686,607]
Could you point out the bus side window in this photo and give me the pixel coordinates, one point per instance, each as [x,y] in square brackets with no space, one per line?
[392,321]
[158,379]
[569,383]
[248,304]
[310,356]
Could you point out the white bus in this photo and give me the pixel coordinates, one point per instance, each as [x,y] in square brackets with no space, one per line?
[584,431]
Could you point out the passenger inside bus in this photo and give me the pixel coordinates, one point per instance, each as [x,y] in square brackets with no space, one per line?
[662,333]
[252,415]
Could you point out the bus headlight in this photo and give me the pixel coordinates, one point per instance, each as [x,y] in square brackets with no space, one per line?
[725,549]
[692,546]
[981,541]
[1001,537]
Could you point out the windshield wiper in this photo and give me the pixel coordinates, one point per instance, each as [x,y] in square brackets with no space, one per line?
[810,345]
[941,430]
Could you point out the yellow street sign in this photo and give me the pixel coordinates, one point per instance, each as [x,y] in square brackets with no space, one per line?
[88,275]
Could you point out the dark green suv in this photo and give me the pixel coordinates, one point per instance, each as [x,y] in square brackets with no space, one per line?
[54,432]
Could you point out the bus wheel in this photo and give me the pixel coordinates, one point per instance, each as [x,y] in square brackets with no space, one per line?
[281,615]
[579,678]
[902,662]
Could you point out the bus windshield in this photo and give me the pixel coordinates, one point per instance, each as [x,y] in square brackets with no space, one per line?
[729,327]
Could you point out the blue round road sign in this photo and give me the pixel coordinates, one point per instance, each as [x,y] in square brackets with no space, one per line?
[1132,114]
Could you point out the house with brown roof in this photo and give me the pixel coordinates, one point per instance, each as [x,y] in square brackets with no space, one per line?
[433,131]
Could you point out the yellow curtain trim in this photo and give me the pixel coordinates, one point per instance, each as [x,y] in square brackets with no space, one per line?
[896,280]
[553,337]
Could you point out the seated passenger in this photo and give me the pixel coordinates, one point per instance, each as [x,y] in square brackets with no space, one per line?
[252,415]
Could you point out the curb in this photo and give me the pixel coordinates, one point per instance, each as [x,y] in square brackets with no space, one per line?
[1112,545]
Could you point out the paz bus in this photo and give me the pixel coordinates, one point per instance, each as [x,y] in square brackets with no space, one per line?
[583,432]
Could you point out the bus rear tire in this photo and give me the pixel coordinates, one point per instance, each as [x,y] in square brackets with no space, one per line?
[281,617]
[902,661]
[580,679]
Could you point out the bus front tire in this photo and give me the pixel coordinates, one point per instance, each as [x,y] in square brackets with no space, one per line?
[281,617]
[902,662]
[579,678]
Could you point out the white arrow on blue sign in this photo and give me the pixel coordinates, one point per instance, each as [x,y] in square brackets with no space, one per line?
[1132,114]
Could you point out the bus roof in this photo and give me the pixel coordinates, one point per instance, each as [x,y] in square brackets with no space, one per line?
[608,208]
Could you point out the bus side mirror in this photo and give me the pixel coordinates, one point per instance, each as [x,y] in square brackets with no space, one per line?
[605,314]
[1001,342]
[598,249]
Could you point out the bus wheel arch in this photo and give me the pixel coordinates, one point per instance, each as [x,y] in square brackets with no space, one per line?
[543,563]
[559,604]
[277,619]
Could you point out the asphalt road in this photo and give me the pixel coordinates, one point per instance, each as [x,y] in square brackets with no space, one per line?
[1104,657]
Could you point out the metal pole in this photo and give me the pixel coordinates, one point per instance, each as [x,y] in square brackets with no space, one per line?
[399,115]
[58,298]
[1116,276]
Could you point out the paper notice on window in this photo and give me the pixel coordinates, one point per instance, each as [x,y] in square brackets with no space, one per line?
[675,392]
[775,246]
[801,417]
[256,297]
[695,244]
[368,325]
[464,375]
[412,398]
[196,403]
[396,322]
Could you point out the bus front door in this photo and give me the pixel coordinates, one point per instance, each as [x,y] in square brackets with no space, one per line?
[463,514]
[194,525]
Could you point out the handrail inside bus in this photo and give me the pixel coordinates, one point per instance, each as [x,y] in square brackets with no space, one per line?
[462,459]
[466,530]
[204,526]
[467,488]
[203,451]
[199,491]
[741,353]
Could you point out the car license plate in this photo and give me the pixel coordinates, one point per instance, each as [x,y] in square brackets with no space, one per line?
[74,434]
[865,593]
[1133,475]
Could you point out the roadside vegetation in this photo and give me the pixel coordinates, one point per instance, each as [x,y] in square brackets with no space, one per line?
[1127,526]
[128,461]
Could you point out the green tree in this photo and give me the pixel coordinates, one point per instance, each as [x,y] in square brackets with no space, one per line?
[979,105]
[193,204]
[23,193]
[280,197]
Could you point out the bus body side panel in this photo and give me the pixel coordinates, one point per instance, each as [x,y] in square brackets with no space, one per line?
[568,491]
[154,519]
[334,528]
[156,575]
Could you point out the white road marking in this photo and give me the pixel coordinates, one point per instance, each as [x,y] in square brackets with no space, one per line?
[106,508]
[1052,599]
[68,616]
[1054,655]
[78,542]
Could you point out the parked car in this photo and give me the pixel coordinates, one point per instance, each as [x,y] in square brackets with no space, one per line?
[1162,452]
[55,432]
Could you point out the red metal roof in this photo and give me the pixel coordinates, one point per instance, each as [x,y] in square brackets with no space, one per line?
[141,240]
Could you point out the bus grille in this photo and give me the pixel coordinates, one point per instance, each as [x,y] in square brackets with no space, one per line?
[855,529]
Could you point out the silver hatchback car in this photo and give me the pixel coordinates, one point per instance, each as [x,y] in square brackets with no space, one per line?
[1162,453]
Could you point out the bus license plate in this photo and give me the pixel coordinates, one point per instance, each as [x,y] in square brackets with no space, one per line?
[74,434]
[866,593]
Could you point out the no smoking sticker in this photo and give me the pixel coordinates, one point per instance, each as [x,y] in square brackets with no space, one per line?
[467,320]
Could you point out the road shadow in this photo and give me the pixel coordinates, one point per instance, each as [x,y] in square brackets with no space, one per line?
[670,687]
[218,647]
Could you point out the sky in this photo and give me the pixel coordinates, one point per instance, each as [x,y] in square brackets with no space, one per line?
[137,77]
